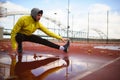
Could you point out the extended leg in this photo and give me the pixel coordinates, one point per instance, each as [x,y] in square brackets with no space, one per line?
[38,39]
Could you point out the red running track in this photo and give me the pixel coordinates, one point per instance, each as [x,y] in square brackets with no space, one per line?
[85,61]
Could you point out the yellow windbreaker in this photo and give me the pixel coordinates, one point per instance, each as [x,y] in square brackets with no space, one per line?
[26,25]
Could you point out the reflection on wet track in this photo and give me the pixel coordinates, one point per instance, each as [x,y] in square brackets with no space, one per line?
[46,66]
[27,67]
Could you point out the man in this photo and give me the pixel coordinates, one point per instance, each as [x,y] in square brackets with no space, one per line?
[24,28]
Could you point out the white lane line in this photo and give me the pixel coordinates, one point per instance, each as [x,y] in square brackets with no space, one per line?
[80,76]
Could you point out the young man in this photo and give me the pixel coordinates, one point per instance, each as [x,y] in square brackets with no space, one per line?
[24,28]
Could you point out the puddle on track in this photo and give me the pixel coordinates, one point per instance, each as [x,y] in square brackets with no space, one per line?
[41,66]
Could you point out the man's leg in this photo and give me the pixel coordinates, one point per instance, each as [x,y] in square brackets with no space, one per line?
[33,38]
[38,39]
[19,38]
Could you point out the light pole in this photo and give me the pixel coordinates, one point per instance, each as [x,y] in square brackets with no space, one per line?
[88,29]
[107,25]
[68,20]
[55,21]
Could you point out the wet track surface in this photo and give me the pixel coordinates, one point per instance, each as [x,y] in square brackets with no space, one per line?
[55,65]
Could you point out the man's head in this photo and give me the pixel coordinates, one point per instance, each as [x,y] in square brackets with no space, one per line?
[36,14]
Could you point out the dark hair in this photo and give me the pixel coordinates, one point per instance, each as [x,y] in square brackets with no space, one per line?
[40,12]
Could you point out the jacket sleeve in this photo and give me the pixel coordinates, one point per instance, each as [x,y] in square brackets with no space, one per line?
[14,31]
[49,32]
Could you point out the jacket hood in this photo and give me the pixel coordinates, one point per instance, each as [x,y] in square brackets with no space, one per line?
[35,11]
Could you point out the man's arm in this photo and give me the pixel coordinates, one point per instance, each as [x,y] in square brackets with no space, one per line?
[49,32]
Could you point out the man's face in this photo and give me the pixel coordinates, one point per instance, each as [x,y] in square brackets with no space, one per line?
[38,17]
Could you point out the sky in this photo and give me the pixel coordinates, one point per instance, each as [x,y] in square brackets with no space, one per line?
[79,10]
[62,4]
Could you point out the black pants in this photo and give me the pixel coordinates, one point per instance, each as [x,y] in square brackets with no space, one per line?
[34,38]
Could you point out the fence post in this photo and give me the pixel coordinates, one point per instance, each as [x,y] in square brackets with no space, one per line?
[1,33]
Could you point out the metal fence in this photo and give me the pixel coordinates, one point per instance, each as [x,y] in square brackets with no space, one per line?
[92,25]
